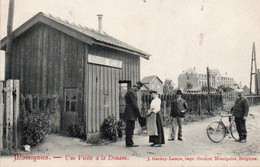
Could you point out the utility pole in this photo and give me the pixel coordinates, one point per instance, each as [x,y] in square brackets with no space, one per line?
[8,52]
[253,64]
[208,82]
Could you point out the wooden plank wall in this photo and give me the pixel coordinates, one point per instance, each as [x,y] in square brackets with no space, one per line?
[39,56]
[46,61]
[104,81]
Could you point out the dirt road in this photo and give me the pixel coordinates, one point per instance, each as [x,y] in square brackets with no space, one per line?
[195,142]
[196,145]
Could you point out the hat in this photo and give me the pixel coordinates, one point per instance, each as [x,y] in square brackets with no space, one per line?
[179,92]
[153,91]
[138,84]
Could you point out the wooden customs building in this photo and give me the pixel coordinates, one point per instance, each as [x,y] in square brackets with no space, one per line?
[88,69]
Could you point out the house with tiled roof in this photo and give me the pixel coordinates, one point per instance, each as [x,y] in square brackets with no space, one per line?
[88,70]
[152,83]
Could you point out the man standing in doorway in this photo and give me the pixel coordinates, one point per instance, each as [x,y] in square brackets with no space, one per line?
[240,111]
[131,113]
[178,110]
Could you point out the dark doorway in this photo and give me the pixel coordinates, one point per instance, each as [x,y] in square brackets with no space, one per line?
[124,86]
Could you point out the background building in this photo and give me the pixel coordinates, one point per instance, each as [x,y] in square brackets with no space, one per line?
[152,83]
[246,90]
[191,80]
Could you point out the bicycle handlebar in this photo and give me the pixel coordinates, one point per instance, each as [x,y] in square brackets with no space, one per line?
[226,115]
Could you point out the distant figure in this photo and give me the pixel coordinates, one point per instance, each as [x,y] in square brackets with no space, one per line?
[131,113]
[178,110]
[154,122]
[240,112]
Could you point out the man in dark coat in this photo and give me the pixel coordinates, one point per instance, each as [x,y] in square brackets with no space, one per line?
[240,111]
[178,110]
[131,113]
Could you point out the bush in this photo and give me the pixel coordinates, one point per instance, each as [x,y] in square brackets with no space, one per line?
[39,116]
[120,128]
[34,126]
[113,129]
[76,130]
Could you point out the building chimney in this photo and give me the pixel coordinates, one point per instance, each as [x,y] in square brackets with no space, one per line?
[100,22]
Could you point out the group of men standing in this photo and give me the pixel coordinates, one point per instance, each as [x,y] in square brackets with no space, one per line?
[178,110]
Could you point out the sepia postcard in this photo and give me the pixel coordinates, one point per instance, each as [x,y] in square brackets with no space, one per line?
[129,83]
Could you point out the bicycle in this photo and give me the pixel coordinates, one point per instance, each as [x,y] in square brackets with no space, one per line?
[217,130]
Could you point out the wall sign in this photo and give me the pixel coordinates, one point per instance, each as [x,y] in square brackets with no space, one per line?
[104,61]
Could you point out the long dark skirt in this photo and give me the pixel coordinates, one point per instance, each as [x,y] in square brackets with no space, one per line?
[160,138]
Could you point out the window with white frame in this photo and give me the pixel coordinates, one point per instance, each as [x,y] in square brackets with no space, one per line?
[70,99]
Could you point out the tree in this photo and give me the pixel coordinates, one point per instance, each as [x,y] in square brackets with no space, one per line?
[205,88]
[168,87]
[189,85]
[225,88]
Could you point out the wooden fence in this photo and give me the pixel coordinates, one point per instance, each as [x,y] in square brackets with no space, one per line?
[9,114]
[47,104]
[196,102]
[253,100]
[229,96]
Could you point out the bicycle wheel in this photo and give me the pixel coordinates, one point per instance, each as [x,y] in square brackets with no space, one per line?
[216,131]
[233,131]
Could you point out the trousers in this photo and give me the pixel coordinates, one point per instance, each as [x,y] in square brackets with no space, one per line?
[176,122]
[129,131]
[241,128]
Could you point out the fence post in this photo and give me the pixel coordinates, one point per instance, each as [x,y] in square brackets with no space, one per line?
[164,109]
[1,92]
[1,115]
[16,111]
[1,125]
[9,114]
[200,108]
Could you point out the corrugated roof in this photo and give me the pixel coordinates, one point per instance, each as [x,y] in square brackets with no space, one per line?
[95,35]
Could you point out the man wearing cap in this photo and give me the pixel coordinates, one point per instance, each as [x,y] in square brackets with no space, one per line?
[178,110]
[131,113]
[240,112]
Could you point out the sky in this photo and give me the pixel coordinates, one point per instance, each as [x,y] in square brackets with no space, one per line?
[179,34]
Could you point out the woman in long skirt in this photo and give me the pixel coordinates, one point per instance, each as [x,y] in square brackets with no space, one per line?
[154,122]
